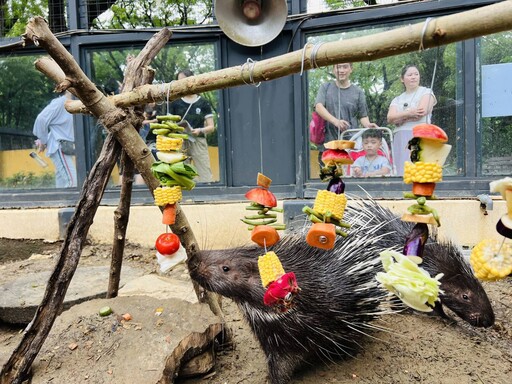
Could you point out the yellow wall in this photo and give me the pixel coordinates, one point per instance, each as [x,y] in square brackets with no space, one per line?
[12,162]
[218,225]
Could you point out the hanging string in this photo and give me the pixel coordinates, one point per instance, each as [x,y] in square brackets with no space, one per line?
[421,48]
[167,100]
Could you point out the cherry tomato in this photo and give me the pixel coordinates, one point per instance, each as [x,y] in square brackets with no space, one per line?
[167,243]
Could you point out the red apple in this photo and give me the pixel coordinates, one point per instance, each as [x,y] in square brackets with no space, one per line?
[262,196]
[430,131]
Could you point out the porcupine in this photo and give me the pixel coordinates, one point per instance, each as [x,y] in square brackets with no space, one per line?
[339,295]
[461,291]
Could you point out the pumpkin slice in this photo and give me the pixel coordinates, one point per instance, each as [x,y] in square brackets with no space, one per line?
[340,144]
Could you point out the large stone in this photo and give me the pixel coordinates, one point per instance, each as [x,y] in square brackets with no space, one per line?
[20,297]
[161,337]
[160,287]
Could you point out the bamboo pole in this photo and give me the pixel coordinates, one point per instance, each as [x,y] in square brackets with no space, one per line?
[439,31]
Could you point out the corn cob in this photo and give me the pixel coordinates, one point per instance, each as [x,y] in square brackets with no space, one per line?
[421,172]
[327,201]
[164,143]
[167,195]
[487,263]
[270,268]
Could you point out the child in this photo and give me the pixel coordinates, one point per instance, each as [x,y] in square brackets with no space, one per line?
[372,164]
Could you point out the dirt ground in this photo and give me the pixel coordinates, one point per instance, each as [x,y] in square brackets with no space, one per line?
[415,349]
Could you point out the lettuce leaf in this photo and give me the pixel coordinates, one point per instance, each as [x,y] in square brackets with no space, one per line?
[408,281]
[174,174]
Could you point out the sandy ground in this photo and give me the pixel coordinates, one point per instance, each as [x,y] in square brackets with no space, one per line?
[415,349]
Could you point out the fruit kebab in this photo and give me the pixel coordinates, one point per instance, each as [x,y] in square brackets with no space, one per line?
[281,287]
[329,206]
[174,175]
[429,152]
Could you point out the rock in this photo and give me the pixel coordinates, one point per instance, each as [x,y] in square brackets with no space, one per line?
[146,349]
[160,287]
[20,297]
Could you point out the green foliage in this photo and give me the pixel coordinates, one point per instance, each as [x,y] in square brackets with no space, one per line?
[28,180]
[24,92]
[17,13]
[126,14]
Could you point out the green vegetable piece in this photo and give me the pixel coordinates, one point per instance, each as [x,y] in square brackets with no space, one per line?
[259,222]
[421,200]
[174,126]
[177,135]
[157,126]
[161,131]
[262,216]
[409,282]
[105,311]
[168,117]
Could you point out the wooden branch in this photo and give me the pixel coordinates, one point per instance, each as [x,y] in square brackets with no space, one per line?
[440,31]
[121,217]
[137,73]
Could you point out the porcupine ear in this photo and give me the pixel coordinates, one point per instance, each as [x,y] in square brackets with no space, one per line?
[415,241]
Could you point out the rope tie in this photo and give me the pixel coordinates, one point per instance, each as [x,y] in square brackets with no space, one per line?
[312,57]
[250,64]
[428,20]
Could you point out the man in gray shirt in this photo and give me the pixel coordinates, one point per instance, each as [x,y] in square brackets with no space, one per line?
[341,104]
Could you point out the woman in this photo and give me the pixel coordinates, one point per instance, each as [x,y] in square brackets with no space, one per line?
[414,106]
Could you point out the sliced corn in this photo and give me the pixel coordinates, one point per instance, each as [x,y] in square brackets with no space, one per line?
[167,195]
[327,201]
[487,263]
[421,172]
[270,268]
[164,143]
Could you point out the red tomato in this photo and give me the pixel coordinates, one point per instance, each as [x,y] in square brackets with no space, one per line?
[167,243]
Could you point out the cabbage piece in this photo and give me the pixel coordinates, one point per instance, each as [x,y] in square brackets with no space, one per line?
[409,282]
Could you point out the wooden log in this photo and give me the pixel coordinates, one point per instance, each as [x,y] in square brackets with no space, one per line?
[439,31]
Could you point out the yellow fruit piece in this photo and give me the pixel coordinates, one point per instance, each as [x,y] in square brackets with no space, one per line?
[164,143]
[327,201]
[270,268]
[421,172]
[487,263]
[167,195]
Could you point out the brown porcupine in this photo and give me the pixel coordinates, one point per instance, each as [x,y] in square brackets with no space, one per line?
[339,295]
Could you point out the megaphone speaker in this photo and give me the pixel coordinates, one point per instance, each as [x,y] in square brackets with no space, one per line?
[251,22]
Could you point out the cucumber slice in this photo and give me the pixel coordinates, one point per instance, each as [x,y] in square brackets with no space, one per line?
[105,311]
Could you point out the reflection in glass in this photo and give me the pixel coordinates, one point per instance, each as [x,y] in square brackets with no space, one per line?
[381,82]
[25,93]
[107,67]
[495,106]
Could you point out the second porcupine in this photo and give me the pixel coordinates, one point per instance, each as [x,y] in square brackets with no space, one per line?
[339,295]
[461,291]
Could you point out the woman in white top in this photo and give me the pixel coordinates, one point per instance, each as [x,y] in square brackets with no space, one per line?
[412,107]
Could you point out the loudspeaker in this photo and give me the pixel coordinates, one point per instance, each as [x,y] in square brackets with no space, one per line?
[251,22]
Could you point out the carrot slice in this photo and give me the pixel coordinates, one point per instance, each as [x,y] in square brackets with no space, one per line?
[423,189]
[169,214]
[321,235]
[264,235]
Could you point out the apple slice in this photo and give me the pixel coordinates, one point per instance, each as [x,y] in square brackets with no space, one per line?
[340,144]
[430,131]
[429,151]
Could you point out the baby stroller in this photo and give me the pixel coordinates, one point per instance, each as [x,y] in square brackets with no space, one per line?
[385,150]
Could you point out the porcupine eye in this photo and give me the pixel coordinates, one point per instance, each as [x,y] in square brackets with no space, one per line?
[465,297]
[225,268]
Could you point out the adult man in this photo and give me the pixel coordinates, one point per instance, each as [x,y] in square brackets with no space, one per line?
[54,131]
[341,103]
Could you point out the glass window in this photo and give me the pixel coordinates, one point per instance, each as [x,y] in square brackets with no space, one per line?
[368,89]
[27,95]
[495,109]
[107,68]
